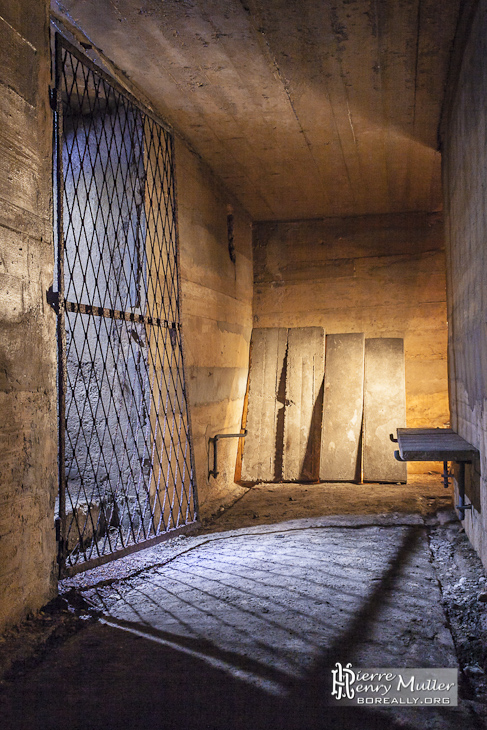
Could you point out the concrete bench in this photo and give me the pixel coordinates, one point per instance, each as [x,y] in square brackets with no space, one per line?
[437,444]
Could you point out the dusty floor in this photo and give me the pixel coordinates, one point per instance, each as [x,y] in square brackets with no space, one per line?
[239,625]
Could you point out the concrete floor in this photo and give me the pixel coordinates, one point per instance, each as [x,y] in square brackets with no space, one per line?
[239,626]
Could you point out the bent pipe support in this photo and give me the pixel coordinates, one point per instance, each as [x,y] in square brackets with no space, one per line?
[214,439]
[461,506]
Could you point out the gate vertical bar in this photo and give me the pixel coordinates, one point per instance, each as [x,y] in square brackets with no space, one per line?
[61,314]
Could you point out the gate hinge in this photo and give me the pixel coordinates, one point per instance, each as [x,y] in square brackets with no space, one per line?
[53,97]
[53,299]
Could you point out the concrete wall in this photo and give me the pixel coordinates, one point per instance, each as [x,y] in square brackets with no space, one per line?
[465,180]
[28,451]
[381,275]
[217,319]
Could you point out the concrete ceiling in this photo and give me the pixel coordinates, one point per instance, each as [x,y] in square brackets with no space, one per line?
[304,108]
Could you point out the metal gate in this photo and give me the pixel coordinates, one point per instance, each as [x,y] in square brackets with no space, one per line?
[126,467]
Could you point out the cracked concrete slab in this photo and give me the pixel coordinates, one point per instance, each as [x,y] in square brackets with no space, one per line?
[384,408]
[304,403]
[267,361]
[343,400]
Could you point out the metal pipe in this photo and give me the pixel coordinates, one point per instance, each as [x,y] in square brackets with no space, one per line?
[61,526]
[446,475]
[461,506]
[214,439]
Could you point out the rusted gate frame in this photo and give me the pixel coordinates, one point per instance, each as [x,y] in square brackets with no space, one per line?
[158,510]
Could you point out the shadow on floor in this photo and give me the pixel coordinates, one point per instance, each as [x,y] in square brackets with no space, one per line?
[135,676]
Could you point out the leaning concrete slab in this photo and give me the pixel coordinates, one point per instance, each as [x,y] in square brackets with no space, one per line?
[384,408]
[304,394]
[342,408]
[266,369]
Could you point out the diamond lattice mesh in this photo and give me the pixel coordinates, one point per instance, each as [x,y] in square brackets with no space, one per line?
[127,462]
